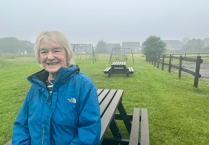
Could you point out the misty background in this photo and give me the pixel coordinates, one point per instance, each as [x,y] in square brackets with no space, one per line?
[112,21]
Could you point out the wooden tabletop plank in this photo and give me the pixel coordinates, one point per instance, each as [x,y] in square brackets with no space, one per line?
[109,113]
[106,101]
[118,64]
[99,91]
[103,95]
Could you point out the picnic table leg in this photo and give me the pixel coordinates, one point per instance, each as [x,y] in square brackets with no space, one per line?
[125,117]
[109,74]
[127,74]
[115,129]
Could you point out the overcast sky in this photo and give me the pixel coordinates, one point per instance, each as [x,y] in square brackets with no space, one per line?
[88,21]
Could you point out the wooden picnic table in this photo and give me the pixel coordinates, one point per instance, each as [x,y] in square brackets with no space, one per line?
[119,68]
[109,102]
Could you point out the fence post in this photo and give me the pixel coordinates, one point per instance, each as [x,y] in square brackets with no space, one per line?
[169,68]
[158,60]
[197,71]
[163,62]
[180,64]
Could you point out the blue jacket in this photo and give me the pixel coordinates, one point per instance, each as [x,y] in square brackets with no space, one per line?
[70,116]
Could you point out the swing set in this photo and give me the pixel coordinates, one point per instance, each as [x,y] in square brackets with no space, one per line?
[84,52]
[120,54]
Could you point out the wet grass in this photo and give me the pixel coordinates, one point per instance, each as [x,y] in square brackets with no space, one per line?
[177,112]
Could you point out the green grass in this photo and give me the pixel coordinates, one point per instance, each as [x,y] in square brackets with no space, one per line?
[177,112]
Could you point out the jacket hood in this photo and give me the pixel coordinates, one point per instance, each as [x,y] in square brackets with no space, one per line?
[63,75]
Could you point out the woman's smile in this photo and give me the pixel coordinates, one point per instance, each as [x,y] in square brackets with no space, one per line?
[53,63]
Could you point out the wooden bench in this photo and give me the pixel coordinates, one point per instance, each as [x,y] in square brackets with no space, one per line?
[118,68]
[107,70]
[131,70]
[109,102]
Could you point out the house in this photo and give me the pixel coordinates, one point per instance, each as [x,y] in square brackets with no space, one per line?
[173,44]
[110,46]
[135,46]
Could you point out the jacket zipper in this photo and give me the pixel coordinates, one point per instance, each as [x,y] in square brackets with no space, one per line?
[43,125]
[43,135]
[48,98]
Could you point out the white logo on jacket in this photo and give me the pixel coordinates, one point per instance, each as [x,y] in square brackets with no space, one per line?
[72,100]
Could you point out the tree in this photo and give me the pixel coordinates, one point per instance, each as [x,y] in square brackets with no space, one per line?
[27,46]
[194,44]
[9,45]
[13,45]
[153,46]
[101,47]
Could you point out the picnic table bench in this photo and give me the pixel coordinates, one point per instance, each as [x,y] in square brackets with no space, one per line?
[109,102]
[118,68]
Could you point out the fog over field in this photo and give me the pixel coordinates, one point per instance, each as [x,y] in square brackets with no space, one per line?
[114,21]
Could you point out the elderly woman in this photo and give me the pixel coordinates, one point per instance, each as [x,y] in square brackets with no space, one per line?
[61,106]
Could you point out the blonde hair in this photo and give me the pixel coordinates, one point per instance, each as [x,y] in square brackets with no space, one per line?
[57,37]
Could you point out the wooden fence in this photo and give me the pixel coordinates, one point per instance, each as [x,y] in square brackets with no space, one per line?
[160,60]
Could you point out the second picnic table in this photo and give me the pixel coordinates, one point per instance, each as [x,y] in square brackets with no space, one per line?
[118,68]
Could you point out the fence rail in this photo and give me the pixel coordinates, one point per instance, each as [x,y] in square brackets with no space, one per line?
[160,60]
[189,54]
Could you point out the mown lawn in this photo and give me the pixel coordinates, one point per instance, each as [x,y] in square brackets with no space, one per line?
[178,113]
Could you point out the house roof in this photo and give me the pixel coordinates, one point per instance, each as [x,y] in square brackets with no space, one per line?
[130,44]
[172,41]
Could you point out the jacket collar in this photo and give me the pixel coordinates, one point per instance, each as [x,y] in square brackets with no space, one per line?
[63,75]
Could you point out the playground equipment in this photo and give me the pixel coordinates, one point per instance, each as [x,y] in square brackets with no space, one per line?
[84,52]
[121,54]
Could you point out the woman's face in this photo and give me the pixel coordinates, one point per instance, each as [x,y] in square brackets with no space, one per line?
[52,56]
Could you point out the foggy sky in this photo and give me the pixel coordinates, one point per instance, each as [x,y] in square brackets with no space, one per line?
[88,21]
